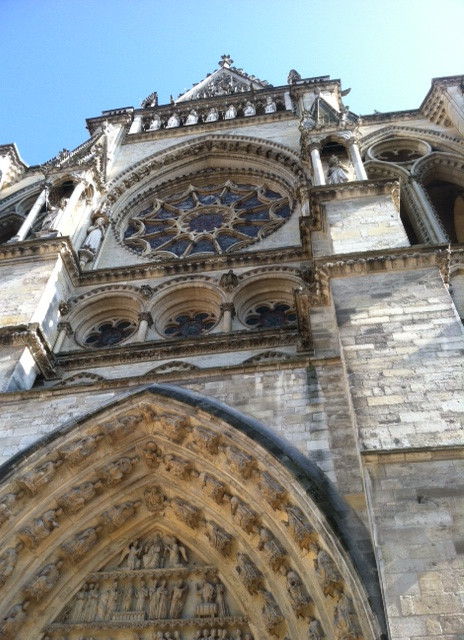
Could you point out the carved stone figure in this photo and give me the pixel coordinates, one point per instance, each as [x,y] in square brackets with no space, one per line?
[155,124]
[272,615]
[6,504]
[177,553]
[152,601]
[121,427]
[337,173]
[222,607]
[175,428]
[173,121]
[213,487]
[34,480]
[274,550]
[302,532]
[150,101]
[327,573]
[206,440]
[107,601]
[82,542]
[51,215]
[315,630]
[132,555]
[207,607]
[192,118]
[154,499]
[78,450]
[219,539]
[270,106]
[240,462]
[231,112]
[77,611]
[246,517]
[125,596]
[115,472]
[152,454]
[249,573]
[152,554]
[13,620]
[44,581]
[298,595]
[93,595]
[75,499]
[212,115]
[186,512]
[115,517]
[141,595]
[272,491]
[228,280]
[249,109]
[178,596]
[293,77]
[8,561]
[179,468]
[40,528]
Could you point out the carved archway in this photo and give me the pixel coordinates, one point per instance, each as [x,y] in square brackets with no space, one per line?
[247,526]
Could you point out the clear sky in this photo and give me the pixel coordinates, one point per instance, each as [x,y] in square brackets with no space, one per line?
[66,60]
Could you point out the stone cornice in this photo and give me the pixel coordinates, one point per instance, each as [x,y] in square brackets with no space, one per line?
[403,455]
[32,337]
[43,249]
[168,349]
[454,143]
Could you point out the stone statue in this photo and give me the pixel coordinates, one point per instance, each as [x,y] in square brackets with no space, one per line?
[81,543]
[246,517]
[77,611]
[315,632]
[132,553]
[125,598]
[75,499]
[107,601]
[298,595]
[251,576]
[231,112]
[78,450]
[207,608]
[222,607]
[270,106]
[15,617]
[39,477]
[152,557]
[329,577]
[141,594]
[192,118]
[173,121]
[178,596]
[117,515]
[52,214]
[249,109]
[337,173]
[175,552]
[219,539]
[212,115]
[162,601]
[275,551]
[44,581]
[293,77]
[155,124]
[343,619]
[40,528]
[115,472]
[6,503]
[8,561]
[272,615]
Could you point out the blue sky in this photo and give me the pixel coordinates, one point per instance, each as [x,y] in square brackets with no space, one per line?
[67,60]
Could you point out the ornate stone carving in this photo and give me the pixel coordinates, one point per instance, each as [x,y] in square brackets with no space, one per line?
[175,428]
[345,619]
[82,542]
[329,578]
[154,499]
[186,512]
[207,607]
[247,519]
[8,561]
[44,581]
[300,529]
[13,620]
[115,517]
[6,504]
[276,553]
[40,528]
[299,597]
[272,615]
[34,480]
[179,468]
[121,427]
[131,556]
[152,454]
[116,471]
[80,449]
[179,593]
[315,630]
[218,538]
[240,462]
[214,488]
[249,573]
[272,491]
[175,553]
[206,441]
[228,280]
[75,499]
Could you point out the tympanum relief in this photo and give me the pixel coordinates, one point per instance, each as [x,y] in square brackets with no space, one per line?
[154,588]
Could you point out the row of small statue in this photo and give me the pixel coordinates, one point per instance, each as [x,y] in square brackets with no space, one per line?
[212,116]
[200,634]
[153,600]
[157,553]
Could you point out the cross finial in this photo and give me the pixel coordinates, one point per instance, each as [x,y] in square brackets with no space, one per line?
[225,61]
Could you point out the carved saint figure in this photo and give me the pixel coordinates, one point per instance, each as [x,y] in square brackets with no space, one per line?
[192,118]
[212,115]
[8,561]
[328,575]
[155,124]
[141,594]
[337,173]
[207,608]
[95,235]
[51,215]
[39,477]
[11,623]
[44,581]
[131,552]
[175,552]
[152,557]
[77,611]
[40,528]
[272,615]
[298,594]
[249,573]
[343,619]
[315,632]
[222,607]
[178,596]
[78,546]
[173,121]
[270,106]
[231,112]
[249,109]
[6,503]
[107,601]
[125,598]
[162,601]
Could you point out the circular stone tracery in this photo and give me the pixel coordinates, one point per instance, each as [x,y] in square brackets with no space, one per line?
[206,220]
[109,332]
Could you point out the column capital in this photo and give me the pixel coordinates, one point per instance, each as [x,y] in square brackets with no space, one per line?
[66,327]
[228,306]
[314,145]
[145,315]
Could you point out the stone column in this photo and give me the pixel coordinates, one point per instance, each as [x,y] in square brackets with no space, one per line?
[318,172]
[136,126]
[31,217]
[59,224]
[228,313]
[288,101]
[356,160]
[145,321]
[431,220]
[64,329]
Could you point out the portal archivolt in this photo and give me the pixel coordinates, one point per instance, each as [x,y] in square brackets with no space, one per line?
[167,516]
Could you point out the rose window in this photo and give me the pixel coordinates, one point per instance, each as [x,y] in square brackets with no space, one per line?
[206,220]
[109,332]
[270,314]
[187,325]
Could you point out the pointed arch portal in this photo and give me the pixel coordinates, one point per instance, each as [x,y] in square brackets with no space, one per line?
[169,515]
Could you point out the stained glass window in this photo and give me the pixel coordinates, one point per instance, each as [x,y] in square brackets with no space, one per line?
[189,324]
[206,220]
[109,332]
[270,314]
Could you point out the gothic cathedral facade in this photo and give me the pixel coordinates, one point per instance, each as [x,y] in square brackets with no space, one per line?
[231,352]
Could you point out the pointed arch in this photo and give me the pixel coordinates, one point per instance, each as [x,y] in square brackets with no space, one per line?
[164,460]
